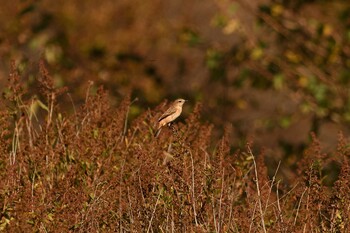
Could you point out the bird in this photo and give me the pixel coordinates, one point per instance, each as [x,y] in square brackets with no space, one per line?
[173,112]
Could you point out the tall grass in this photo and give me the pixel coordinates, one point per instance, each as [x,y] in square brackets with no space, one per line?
[95,171]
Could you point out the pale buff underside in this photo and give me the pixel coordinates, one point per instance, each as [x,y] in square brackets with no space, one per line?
[171,117]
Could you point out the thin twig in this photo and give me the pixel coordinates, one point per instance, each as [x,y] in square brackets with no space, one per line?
[271,186]
[126,118]
[278,204]
[220,202]
[193,192]
[286,194]
[253,216]
[231,201]
[154,210]
[301,198]
[258,190]
[214,215]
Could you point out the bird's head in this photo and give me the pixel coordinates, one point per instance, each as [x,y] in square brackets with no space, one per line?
[179,102]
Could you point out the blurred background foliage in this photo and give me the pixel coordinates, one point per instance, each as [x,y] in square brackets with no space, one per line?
[272,70]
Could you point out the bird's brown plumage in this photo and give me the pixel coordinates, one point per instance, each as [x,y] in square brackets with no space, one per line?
[170,114]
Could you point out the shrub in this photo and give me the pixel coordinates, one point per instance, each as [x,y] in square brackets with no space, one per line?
[95,171]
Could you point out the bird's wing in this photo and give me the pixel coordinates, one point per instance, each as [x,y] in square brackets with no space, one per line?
[167,113]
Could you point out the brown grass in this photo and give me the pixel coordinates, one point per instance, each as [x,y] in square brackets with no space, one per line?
[95,171]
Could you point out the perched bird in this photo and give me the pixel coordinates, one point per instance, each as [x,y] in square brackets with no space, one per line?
[170,115]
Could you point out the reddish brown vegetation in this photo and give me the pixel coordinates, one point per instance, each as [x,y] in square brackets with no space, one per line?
[95,171]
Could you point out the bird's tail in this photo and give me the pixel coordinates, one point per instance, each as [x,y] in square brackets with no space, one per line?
[157,132]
